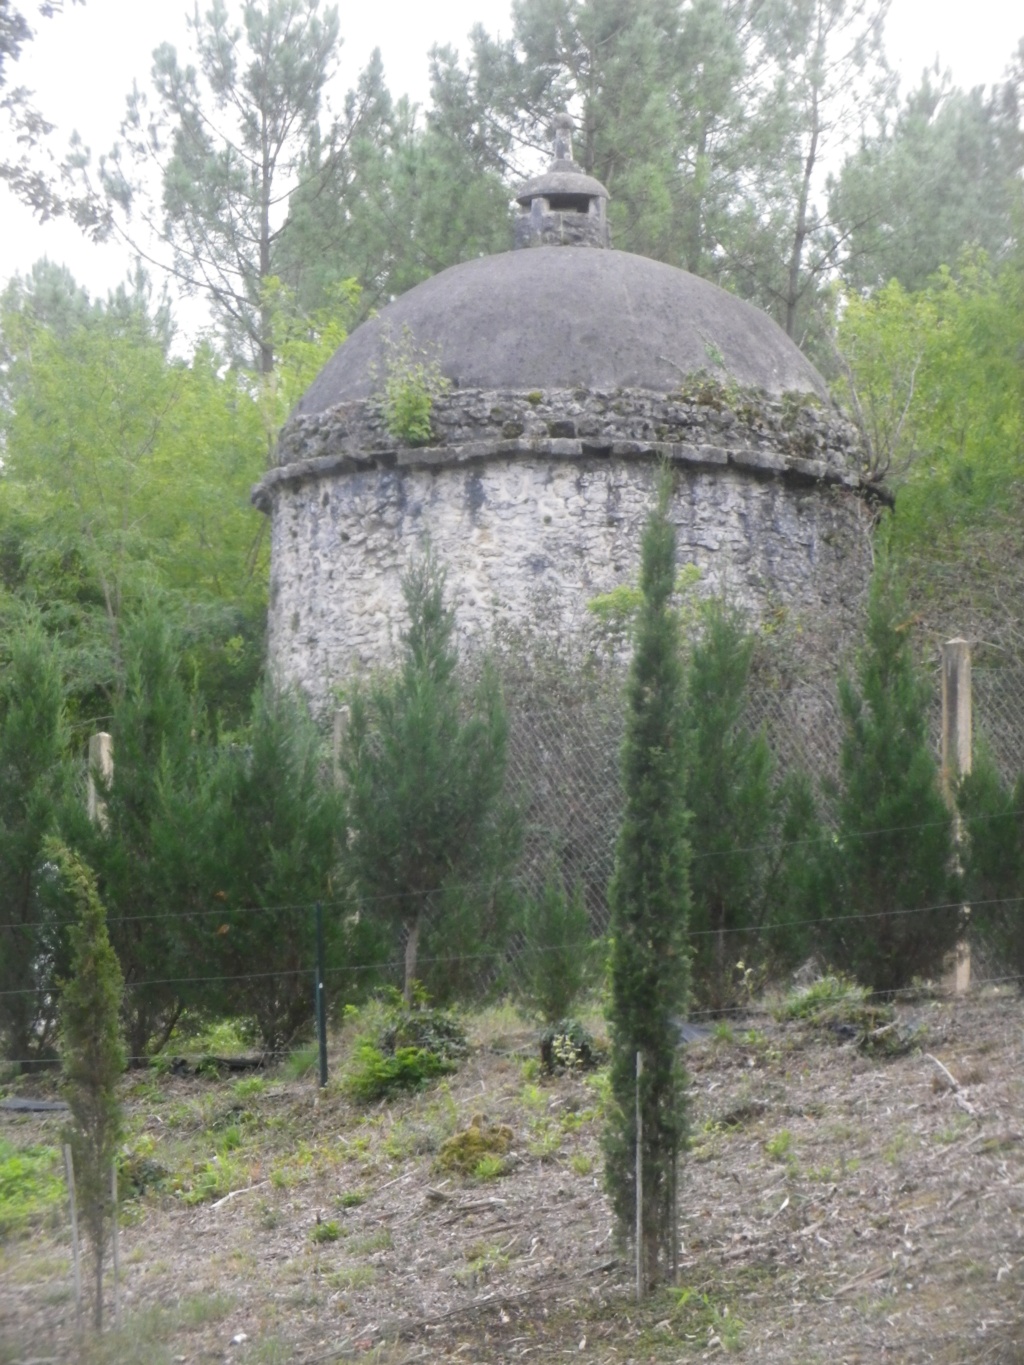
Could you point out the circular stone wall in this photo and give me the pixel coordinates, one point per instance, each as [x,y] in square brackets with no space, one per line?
[536,502]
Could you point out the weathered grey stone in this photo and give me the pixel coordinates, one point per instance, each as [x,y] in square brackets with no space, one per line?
[574,374]
[555,318]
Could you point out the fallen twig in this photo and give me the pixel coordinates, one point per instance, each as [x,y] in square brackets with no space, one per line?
[234,1193]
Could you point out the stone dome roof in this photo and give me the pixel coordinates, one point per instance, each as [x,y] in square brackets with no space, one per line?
[553,318]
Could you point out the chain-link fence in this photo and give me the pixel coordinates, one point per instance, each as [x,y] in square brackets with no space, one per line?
[998,702]
[564,755]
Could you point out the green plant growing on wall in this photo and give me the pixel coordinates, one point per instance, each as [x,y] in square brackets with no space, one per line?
[615,612]
[413,382]
[92,1056]
[649,900]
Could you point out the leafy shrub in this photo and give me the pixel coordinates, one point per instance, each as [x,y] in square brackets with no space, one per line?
[325,1232]
[434,1031]
[568,1046]
[374,1074]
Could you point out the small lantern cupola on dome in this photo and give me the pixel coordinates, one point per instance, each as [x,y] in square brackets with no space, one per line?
[564,206]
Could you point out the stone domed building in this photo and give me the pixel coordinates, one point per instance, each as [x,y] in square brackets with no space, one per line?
[573,371]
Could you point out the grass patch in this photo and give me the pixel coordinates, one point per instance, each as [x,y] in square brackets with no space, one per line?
[837,1004]
[325,1232]
[31,1187]
[150,1336]
[300,1063]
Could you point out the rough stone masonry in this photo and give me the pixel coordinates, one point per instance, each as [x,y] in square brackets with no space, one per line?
[575,371]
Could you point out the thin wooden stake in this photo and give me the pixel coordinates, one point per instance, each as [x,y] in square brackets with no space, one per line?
[639,1183]
[116,1245]
[76,1260]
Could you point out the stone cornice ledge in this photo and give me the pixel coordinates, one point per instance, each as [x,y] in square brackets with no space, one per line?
[759,462]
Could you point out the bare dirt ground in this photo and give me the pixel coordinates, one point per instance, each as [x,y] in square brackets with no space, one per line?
[834,1208]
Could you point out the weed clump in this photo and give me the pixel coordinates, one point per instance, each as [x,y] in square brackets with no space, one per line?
[568,1046]
[836,1005]
[414,1048]
[478,1150]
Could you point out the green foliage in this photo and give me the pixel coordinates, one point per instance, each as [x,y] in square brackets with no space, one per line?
[146,865]
[31,1186]
[34,781]
[303,341]
[412,382]
[894,908]
[92,1055]
[424,764]
[832,997]
[649,900]
[933,379]
[557,961]
[125,472]
[267,849]
[728,790]
[993,860]
[568,1046]
[232,131]
[414,1046]
[375,1075]
[433,1030]
[941,176]
[325,1232]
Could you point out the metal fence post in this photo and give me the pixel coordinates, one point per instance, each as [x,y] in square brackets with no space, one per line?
[321,1003]
[957,747]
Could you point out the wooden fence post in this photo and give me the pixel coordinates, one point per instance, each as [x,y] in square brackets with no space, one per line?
[101,761]
[957,749]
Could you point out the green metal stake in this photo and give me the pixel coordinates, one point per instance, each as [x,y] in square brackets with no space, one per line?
[321,1003]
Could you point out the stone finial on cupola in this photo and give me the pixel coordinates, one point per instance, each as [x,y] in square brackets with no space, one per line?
[564,206]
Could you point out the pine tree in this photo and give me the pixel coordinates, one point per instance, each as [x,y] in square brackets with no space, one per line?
[146,885]
[896,915]
[93,1056]
[557,959]
[729,797]
[423,767]
[993,860]
[270,830]
[33,779]
[649,900]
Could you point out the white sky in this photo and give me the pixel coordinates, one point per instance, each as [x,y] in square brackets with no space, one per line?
[82,64]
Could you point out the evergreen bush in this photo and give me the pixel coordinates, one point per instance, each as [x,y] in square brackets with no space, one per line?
[429,838]
[92,1056]
[555,965]
[34,782]
[894,913]
[649,900]
[731,805]
[992,854]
